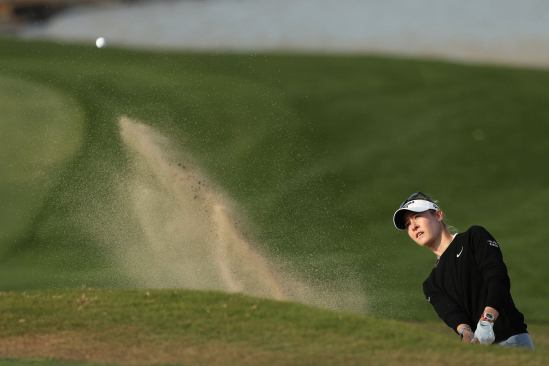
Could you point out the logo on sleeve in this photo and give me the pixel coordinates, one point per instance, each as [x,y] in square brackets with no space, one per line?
[460,252]
[493,243]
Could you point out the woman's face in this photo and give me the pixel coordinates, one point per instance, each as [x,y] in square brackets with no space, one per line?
[424,227]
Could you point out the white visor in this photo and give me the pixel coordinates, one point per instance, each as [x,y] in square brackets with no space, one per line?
[415,206]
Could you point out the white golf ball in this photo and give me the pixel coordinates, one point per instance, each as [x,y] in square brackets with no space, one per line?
[101,42]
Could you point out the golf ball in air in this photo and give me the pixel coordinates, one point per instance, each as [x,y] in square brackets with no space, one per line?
[101,42]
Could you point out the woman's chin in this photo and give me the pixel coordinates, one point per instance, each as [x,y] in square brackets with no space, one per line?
[422,241]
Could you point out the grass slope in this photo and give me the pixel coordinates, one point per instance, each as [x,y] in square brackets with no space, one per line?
[318,150]
[210,328]
[41,129]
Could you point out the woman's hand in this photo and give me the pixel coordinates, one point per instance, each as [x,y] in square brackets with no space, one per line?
[468,336]
[485,327]
[485,333]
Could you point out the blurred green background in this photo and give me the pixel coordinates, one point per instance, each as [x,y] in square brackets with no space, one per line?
[319,151]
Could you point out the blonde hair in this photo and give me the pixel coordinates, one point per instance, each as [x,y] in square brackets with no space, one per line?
[451,229]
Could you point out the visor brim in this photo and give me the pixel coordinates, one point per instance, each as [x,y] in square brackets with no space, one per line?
[414,206]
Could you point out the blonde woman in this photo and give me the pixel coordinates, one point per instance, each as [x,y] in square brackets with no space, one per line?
[469,287]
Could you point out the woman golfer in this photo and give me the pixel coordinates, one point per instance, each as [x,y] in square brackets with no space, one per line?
[469,286]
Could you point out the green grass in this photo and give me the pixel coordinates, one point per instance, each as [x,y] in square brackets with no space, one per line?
[40,362]
[41,129]
[210,328]
[318,150]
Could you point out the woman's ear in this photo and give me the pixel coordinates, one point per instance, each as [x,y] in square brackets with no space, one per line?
[440,215]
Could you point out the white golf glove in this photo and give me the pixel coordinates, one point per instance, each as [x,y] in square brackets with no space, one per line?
[485,332]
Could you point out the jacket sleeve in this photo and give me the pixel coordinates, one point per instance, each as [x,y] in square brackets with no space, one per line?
[492,268]
[447,310]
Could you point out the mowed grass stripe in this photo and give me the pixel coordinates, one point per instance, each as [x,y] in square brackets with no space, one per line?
[209,328]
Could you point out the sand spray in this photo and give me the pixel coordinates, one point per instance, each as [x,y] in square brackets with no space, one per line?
[174,228]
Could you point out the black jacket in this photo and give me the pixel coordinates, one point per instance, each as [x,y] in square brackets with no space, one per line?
[469,276]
